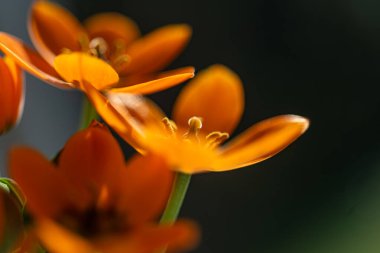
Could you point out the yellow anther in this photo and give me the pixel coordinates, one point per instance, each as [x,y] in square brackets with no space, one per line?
[170,126]
[216,138]
[98,47]
[65,50]
[83,42]
[195,124]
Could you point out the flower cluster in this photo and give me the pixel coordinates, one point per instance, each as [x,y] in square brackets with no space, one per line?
[88,198]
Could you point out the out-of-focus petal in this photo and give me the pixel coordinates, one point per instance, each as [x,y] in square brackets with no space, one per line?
[155,83]
[146,184]
[57,239]
[263,140]
[45,188]
[91,158]
[116,115]
[52,29]
[157,49]
[216,95]
[79,67]
[182,235]
[29,60]
[113,27]
[18,88]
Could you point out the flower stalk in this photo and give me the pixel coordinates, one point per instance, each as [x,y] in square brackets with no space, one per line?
[88,114]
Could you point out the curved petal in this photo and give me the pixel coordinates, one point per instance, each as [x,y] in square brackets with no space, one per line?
[216,95]
[181,236]
[113,27]
[60,240]
[79,67]
[29,60]
[157,49]
[91,158]
[53,29]
[156,83]
[145,187]
[7,97]
[19,89]
[116,115]
[263,140]
[45,188]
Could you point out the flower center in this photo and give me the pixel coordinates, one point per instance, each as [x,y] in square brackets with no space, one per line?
[213,139]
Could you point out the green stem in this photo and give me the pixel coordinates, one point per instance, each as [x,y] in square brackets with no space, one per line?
[181,183]
[88,114]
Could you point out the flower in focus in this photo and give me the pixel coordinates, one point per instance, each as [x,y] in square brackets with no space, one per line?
[89,200]
[107,37]
[11,94]
[205,113]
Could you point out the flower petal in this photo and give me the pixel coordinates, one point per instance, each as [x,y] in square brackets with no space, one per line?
[18,88]
[117,115]
[112,27]
[79,67]
[157,49]
[149,181]
[183,235]
[29,60]
[216,95]
[7,97]
[91,158]
[156,83]
[52,29]
[261,141]
[60,240]
[45,188]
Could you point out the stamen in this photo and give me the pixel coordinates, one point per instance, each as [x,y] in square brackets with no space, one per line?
[83,42]
[98,47]
[216,138]
[170,126]
[121,62]
[195,124]
[65,50]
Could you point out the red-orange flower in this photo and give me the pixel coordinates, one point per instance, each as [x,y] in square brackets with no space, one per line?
[11,94]
[212,105]
[111,37]
[89,200]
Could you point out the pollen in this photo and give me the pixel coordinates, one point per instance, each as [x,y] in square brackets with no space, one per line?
[98,47]
[216,138]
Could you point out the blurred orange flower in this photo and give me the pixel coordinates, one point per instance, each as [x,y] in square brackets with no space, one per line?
[11,94]
[212,105]
[89,200]
[111,37]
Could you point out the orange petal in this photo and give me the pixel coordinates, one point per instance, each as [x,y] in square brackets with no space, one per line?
[261,141]
[124,113]
[52,29]
[91,158]
[79,67]
[45,188]
[7,97]
[113,27]
[216,95]
[29,60]
[157,49]
[57,239]
[146,184]
[181,236]
[18,88]
[159,82]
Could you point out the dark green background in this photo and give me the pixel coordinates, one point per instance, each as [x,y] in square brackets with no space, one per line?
[319,59]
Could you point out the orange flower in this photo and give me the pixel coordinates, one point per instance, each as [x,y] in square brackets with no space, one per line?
[212,105]
[88,200]
[111,37]
[11,94]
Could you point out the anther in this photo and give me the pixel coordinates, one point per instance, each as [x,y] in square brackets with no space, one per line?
[120,62]
[98,47]
[170,126]
[216,138]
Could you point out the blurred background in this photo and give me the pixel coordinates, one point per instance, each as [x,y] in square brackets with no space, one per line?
[318,59]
